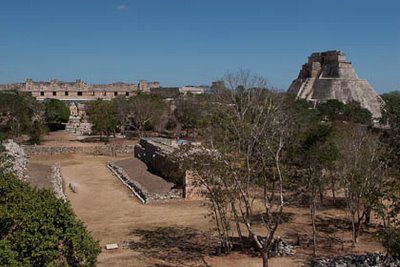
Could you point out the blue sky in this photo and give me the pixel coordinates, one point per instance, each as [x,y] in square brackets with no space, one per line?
[179,42]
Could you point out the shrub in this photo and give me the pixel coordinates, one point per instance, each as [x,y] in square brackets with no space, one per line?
[56,113]
[391,241]
[37,229]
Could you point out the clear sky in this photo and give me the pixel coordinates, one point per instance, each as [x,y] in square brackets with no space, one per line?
[180,42]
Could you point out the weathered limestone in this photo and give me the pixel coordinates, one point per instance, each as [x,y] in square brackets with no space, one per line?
[58,182]
[77,122]
[155,153]
[328,75]
[18,158]
[78,90]
[108,149]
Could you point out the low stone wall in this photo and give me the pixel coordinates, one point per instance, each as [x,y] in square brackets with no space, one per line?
[108,150]
[138,190]
[58,182]
[366,260]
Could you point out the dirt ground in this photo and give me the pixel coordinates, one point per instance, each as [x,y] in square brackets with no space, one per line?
[39,175]
[166,233]
[63,138]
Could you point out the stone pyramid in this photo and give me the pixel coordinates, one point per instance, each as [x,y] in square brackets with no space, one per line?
[328,75]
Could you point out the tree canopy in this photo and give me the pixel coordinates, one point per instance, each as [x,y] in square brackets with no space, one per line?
[19,113]
[56,113]
[37,229]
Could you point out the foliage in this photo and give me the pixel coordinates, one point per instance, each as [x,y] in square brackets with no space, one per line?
[102,115]
[391,241]
[36,132]
[146,112]
[37,229]
[56,113]
[353,112]
[391,117]
[188,112]
[244,135]
[20,112]
[123,112]
[362,172]
[334,110]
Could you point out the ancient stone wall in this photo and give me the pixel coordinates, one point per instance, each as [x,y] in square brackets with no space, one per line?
[79,90]
[108,150]
[58,182]
[155,153]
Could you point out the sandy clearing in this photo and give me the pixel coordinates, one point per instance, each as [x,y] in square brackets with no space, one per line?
[112,214]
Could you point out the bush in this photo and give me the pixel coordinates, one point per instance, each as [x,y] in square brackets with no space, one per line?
[56,113]
[391,241]
[37,229]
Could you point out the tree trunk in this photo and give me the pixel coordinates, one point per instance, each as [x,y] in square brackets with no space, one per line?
[237,220]
[314,228]
[333,192]
[353,224]
[265,259]
[367,216]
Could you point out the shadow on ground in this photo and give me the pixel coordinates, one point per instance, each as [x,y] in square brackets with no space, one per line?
[177,245]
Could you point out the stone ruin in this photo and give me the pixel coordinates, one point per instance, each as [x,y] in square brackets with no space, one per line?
[154,152]
[328,75]
[18,162]
[365,260]
[78,123]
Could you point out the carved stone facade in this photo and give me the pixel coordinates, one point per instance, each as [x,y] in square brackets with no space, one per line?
[79,90]
[328,75]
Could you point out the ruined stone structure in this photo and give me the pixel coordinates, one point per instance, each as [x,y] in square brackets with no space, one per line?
[77,122]
[328,75]
[76,94]
[154,152]
[78,90]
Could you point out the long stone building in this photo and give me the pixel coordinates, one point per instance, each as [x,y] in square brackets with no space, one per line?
[79,90]
[328,75]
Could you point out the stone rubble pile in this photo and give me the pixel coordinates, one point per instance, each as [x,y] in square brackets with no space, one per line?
[18,158]
[57,181]
[280,247]
[364,260]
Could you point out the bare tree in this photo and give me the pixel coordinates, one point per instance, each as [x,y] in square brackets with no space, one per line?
[362,173]
[145,111]
[248,127]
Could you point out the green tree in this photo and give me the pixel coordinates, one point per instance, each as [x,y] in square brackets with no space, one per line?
[37,229]
[102,115]
[331,110]
[353,112]
[146,112]
[18,113]
[334,110]
[188,113]
[123,112]
[56,113]
[391,117]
